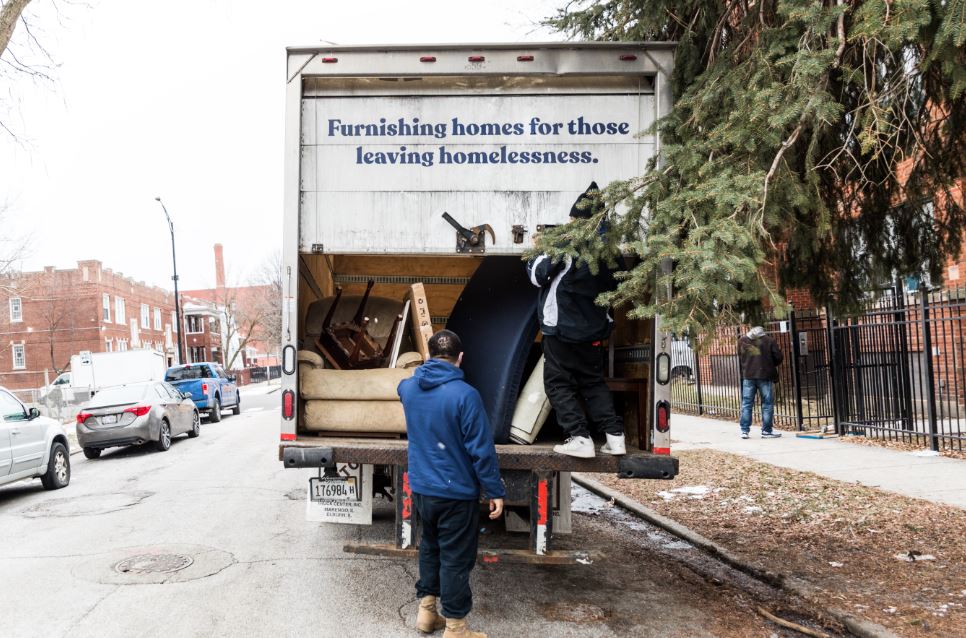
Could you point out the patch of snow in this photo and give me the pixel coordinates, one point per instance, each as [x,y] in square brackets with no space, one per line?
[924,453]
[637,526]
[586,503]
[677,545]
[692,489]
[890,610]
[912,559]
[752,509]
[835,563]
[667,496]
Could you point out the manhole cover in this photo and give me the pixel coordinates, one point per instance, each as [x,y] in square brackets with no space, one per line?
[153,564]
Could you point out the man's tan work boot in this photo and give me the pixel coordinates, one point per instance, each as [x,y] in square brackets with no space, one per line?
[427,619]
[457,628]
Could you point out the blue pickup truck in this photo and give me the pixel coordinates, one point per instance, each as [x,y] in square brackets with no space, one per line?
[209,386]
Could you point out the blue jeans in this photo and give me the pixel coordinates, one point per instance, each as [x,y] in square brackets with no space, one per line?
[447,551]
[767,391]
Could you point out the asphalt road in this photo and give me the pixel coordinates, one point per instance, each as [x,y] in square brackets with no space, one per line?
[239,559]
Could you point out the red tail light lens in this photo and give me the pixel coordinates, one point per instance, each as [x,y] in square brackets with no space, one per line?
[627,57]
[288,405]
[329,60]
[82,416]
[428,58]
[204,388]
[139,410]
[663,416]
[476,58]
[524,58]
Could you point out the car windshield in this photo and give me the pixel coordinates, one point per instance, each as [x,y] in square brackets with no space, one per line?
[186,373]
[118,395]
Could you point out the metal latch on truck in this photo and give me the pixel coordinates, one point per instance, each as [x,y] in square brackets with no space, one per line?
[470,240]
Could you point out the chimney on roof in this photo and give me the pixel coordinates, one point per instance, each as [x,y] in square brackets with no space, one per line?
[219,267]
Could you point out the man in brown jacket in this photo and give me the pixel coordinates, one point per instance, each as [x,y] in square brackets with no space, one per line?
[760,357]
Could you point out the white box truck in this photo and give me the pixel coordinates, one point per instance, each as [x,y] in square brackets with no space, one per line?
[91,372]
[380,142]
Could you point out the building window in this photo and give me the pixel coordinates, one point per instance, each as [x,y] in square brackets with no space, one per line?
[16,310]
[135,334]
[122,345]
[196,324]
[145,316]
[19,357]
[106,308]
[197,354]
[157,319]
[120,316]
[108,345]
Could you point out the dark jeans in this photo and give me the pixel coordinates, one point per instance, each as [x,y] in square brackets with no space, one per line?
[447,551]
[573,370]
[749,387]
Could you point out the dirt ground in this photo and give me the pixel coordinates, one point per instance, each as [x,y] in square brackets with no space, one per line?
[898,561]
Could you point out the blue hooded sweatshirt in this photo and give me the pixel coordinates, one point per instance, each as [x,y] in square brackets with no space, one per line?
[451,451]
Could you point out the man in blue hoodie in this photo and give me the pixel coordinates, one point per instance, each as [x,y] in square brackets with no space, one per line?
[451,456]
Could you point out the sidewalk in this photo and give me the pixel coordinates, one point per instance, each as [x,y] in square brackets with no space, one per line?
[263,387]
[933,478]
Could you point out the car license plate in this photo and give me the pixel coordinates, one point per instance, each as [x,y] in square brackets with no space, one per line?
[109,419]
[334,489]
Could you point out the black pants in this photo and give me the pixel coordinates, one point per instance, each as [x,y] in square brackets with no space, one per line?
[573,370]
[447,551]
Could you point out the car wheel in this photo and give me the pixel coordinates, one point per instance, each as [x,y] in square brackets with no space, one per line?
[237,409]
[163,444]
[195,426]
[215,415]
[92,452]
[58,468]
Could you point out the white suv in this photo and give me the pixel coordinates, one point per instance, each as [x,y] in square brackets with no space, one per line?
[31,445]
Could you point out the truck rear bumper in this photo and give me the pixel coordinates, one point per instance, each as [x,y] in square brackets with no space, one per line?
[314,452]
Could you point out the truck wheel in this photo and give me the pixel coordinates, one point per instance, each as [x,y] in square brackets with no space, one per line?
[195,426]
[58,468]
[215,415]
[237,409]
[163,444]
[92,452]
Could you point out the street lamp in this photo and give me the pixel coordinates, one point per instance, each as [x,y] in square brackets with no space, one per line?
[177,299]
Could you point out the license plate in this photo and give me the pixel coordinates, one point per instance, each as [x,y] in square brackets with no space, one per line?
[334,489]
[108,419]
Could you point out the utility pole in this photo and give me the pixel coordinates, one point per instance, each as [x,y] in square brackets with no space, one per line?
[177,298]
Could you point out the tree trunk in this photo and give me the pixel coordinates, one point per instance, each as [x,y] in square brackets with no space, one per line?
[9,15]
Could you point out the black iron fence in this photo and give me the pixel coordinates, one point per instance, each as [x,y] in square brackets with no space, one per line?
[265,373]
[896,371]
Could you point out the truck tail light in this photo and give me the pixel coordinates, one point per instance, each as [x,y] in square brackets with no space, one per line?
[663,416]
[139,410]
[628,57]
[428,58]
[288,405]
[524,58]
[329,60]
[204,388]
[288,359]
[476,58]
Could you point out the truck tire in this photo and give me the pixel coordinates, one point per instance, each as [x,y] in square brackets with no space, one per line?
[58,468]
[237,409]
[163,444]
[92,452]
[215,414]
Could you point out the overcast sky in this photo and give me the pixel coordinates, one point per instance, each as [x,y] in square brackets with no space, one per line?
[184,99]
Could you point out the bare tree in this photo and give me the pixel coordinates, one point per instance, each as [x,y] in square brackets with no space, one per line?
[13,249]
[269,279]
[58,313]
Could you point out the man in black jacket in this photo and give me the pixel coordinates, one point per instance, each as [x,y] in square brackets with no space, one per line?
[574,328]
[760,357]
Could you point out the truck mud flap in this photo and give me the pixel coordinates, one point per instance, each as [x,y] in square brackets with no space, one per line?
[308,457]
[648,467]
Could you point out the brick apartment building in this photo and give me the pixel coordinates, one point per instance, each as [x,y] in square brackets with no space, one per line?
[49,315]
[205,330]
[247,303]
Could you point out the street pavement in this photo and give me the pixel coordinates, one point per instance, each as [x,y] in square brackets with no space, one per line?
[210,539]
[916,474]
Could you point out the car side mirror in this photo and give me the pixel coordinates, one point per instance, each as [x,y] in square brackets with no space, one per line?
[33,413]
[185,395]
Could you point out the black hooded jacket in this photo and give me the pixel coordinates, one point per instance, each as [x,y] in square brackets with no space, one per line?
[567,293]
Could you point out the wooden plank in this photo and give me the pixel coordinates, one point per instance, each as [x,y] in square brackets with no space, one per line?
[419,312]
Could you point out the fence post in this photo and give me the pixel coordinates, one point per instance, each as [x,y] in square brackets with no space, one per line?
[796,380]
[697,376]
[901,320]
[930,376]
[833,372]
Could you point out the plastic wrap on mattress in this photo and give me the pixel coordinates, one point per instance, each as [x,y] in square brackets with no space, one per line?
[352,385]
[379,417]
[496,319]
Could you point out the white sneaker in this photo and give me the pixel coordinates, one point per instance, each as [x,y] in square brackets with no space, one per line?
[580,446]
[615,445]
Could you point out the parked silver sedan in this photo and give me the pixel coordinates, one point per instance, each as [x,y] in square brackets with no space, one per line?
[135,414]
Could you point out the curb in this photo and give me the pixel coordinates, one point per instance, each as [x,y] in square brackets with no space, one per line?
[857,626]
